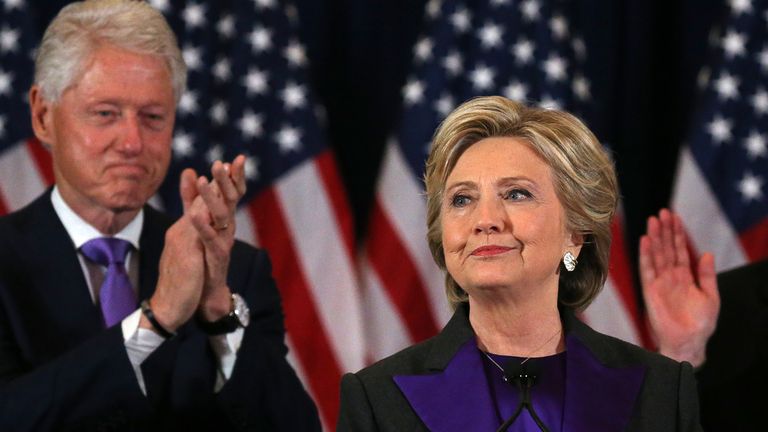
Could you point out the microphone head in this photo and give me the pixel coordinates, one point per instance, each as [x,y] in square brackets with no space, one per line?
[522,374]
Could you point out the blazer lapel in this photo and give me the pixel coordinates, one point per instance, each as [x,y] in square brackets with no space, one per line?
[151,245]
[598,396]
[454,382]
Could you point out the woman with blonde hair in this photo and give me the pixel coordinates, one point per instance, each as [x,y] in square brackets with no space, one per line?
[519,207]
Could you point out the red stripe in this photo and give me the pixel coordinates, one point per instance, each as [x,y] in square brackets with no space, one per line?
[3,205]
[755,240]
[401,280]
[336,195]
[42,158]
[621,275]
[302,320]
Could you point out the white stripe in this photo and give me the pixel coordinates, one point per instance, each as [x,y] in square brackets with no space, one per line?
[708,227]
[20,179]
[384,327]
[244,229]
[324,261]
[402,199]
[607,314]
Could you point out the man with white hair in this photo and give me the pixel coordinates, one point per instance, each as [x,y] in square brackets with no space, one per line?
[113,316]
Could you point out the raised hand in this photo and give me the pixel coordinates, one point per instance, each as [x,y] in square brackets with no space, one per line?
[682,305]
[216,230]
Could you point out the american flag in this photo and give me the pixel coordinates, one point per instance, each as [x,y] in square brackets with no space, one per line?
[525,50]
[248,93]
[720,189]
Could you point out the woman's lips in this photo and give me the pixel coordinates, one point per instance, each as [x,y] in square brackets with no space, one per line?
[490,250]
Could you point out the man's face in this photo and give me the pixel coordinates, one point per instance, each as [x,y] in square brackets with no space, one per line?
[110,132]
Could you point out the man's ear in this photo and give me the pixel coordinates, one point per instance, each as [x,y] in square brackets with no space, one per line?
[42,116]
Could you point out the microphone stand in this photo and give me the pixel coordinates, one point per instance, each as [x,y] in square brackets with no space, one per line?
[524,382]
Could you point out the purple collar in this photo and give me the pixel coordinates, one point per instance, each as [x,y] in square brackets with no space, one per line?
[597,397]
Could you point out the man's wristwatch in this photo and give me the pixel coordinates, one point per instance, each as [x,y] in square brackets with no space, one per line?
[239,316]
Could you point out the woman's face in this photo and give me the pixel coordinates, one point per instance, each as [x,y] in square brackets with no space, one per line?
[503,225]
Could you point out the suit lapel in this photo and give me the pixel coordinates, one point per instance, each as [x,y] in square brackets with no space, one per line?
[598,395]
[58,297]
[150,248]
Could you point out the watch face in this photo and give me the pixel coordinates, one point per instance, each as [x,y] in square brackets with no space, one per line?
[241,310]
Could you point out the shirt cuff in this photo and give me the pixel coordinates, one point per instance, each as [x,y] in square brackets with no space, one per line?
[225,347]
[139,344]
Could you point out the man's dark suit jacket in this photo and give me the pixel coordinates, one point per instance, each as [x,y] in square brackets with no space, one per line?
[610,386]
[734,379]
[61,370]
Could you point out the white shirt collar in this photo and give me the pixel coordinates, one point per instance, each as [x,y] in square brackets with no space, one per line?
[81,231]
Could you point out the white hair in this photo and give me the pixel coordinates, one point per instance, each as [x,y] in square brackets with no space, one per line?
[81,27]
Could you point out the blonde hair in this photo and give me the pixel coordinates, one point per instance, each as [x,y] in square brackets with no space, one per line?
[81,27]
[583,176]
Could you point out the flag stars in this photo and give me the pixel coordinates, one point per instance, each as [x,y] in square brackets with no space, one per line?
[550,103]
[260,39]
[739,7]
[289,139]
[490,36]
[755,145]
[559,27]
[760,102]
[413,92]
[194,15]
[13,4]
[433,8]
[294,96]
[255,82]
[762,58]
[251,168]
[530,10]
[751,187]
[727,86]
[222,70]
[5,82]
[720,129]
[192,57]
[444,104]
[9,40]
[218,112]
[461,20]
[188,102]
[554,67]
[264,4]
[161,5]
[226,27]
[523,51]
[183,145]
[295,54]
[482,77]
[581,87]
[516,91]
[251,125]
[452,63]
[734,44]
[423,49]
[579,48]
[216,152]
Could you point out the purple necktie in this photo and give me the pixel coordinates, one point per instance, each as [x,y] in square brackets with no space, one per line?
[116,295]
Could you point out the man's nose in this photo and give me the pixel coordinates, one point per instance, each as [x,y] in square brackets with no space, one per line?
[131,140]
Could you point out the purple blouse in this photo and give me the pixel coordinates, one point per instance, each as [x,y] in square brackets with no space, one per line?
[547,393]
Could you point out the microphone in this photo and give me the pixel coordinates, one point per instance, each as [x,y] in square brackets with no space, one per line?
[523,376]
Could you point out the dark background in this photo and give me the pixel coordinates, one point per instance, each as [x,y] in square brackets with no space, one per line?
[644,56]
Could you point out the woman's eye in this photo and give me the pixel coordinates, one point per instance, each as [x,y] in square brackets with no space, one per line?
[105,113]
[517,194]
[460,201]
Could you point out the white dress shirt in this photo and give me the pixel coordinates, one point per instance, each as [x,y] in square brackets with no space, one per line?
[139,342]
